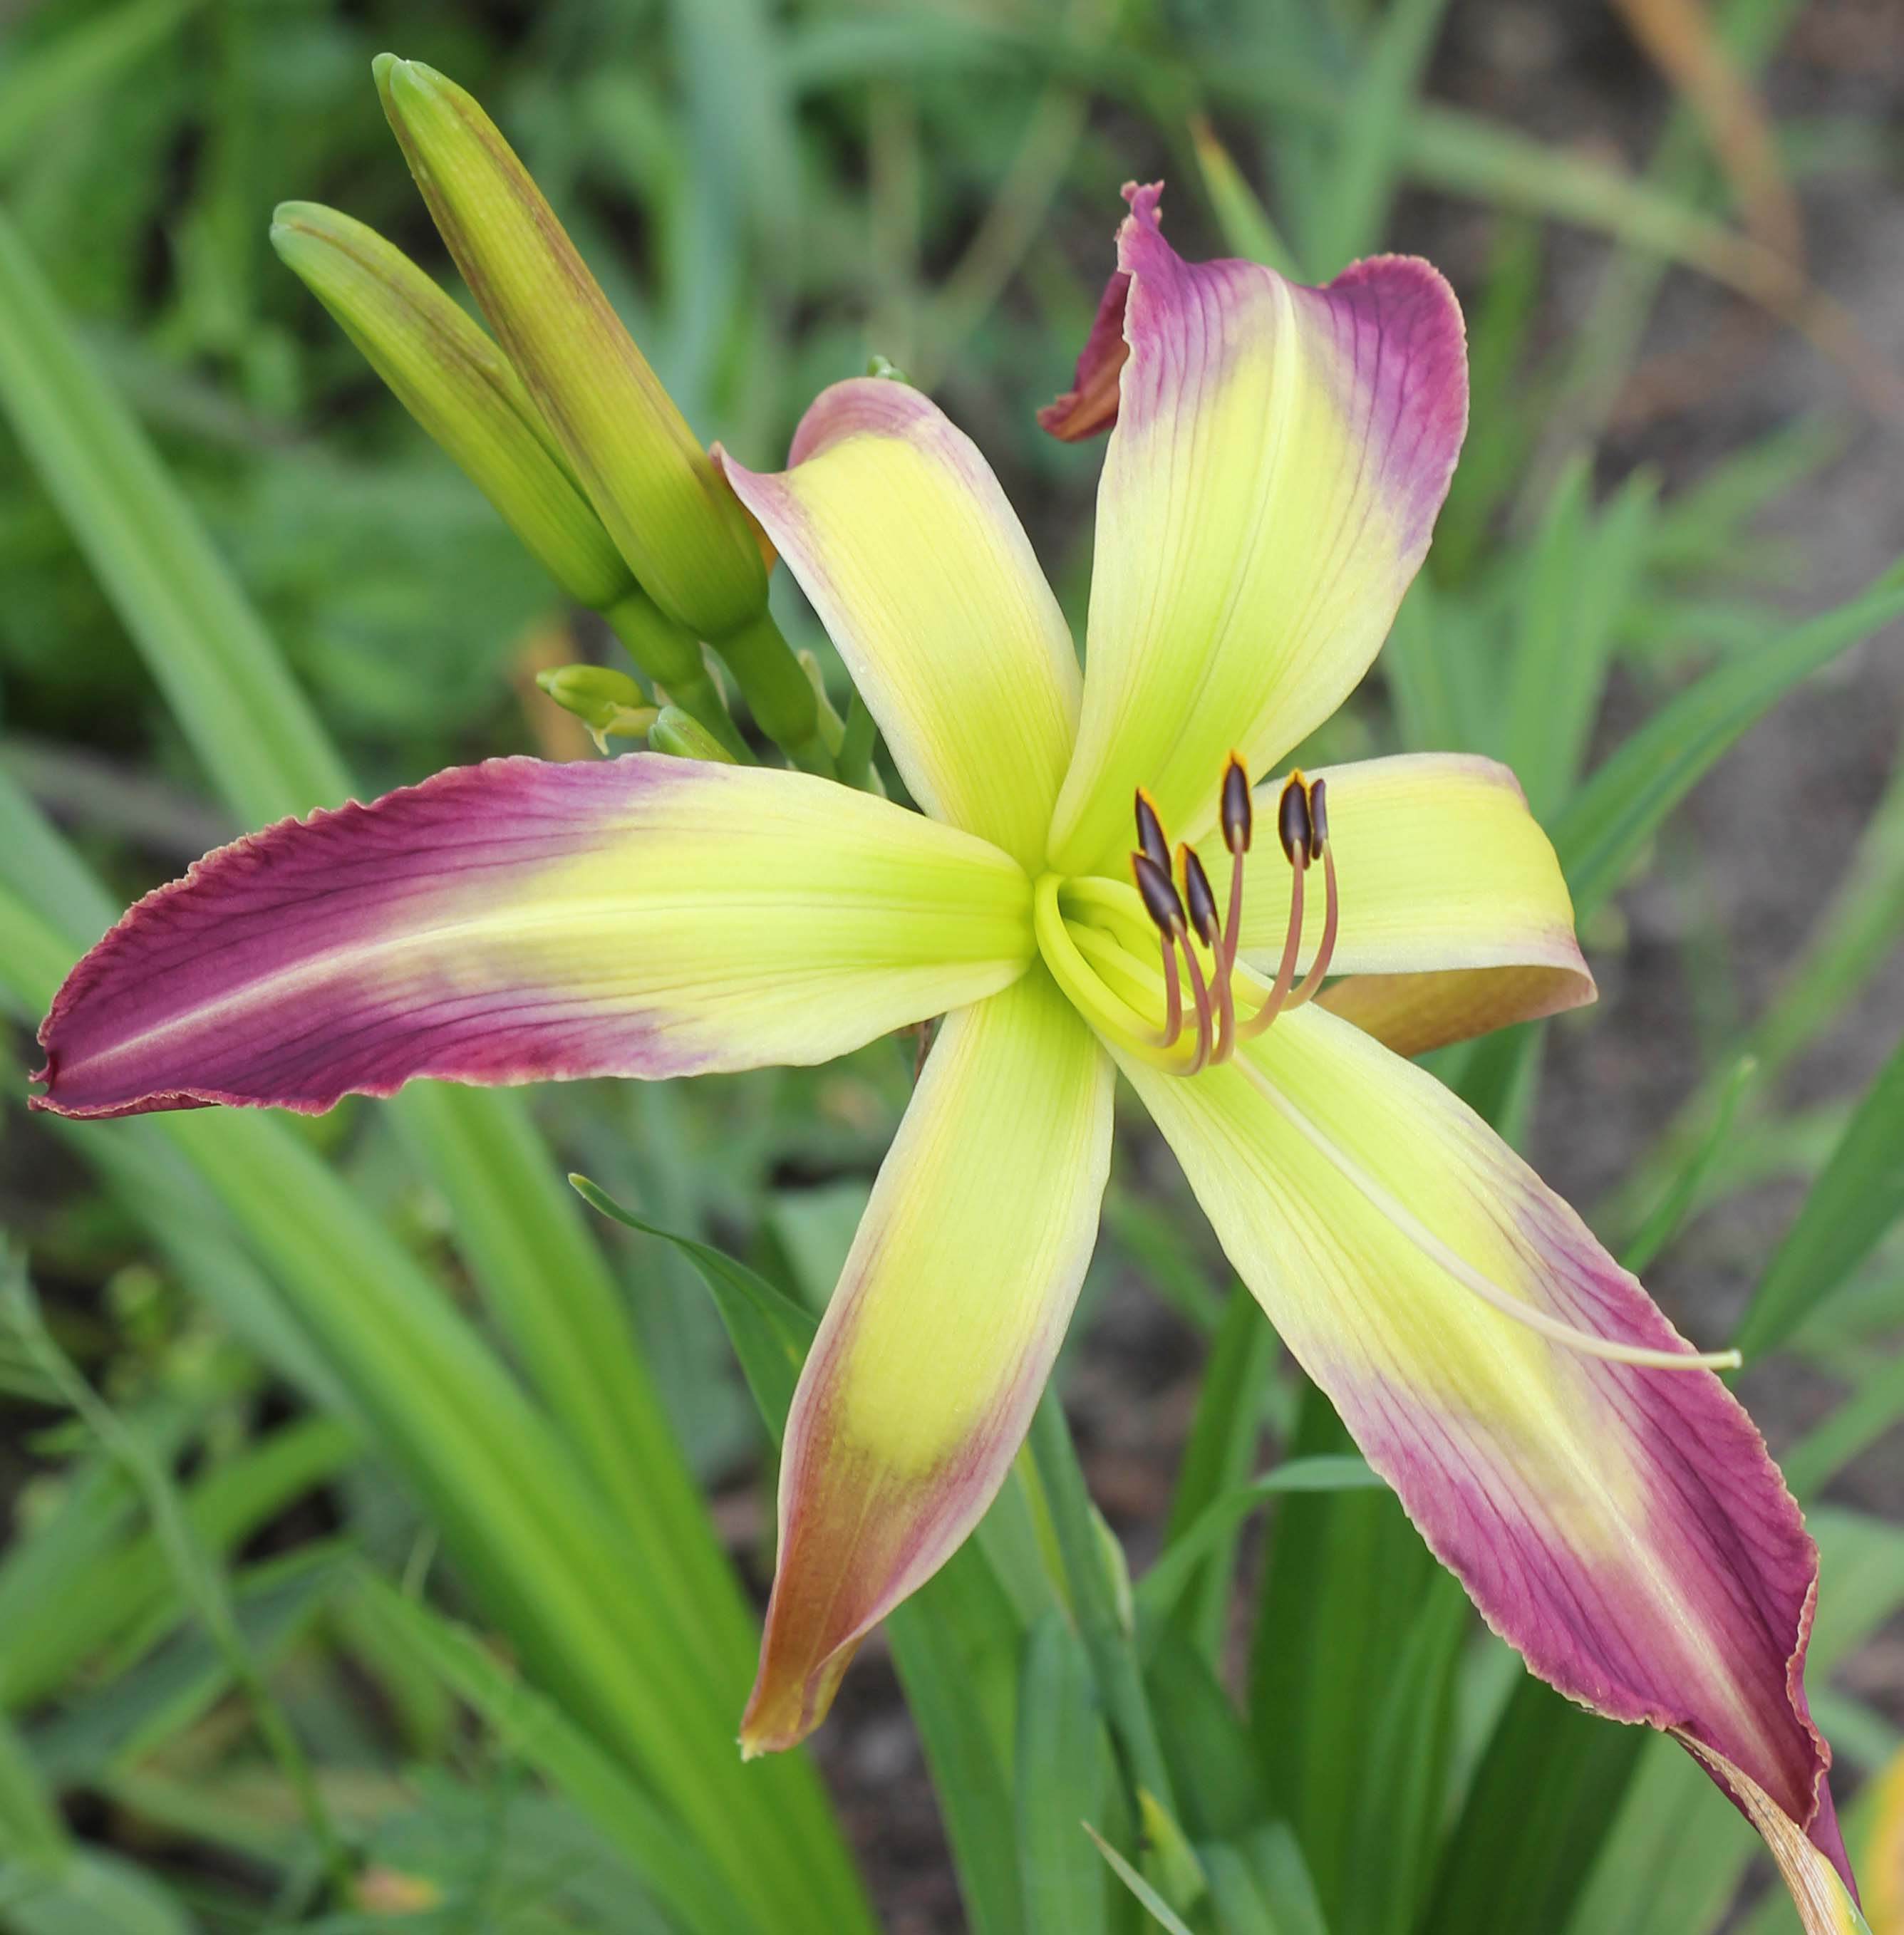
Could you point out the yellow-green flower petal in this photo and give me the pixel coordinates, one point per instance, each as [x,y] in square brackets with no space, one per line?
[519,921]
[1278,457]
[938,1341]
[1455,918]
[1619,1523]
[905,544]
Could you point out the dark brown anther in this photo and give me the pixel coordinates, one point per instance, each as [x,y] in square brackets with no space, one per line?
[1239,807]
[1201,902]
[1318,818]
[1292,822]
[1150,833]
[1159,893]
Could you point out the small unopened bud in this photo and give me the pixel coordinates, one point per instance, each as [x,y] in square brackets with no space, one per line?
[1200,901]
[679,733]
[1239,806]
[459,386]
[1159,894]
[1292,826]
[670,513]
[609,703]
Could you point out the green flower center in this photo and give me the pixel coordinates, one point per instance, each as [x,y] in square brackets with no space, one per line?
[1123,954]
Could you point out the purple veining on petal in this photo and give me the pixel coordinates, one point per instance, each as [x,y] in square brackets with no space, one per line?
[520,921]
[1403,372]
[344,883]
[1622,1526]
[1400,366]
[1724,1528]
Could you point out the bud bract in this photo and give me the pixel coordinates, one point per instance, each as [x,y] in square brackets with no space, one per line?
[686,738]
[609,703]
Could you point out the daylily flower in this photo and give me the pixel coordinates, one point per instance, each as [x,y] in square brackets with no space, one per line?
[1279,456]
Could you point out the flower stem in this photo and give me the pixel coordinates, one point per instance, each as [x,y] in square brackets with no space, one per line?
[1094,1602]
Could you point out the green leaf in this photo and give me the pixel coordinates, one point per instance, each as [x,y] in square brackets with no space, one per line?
[1217,1459]
[258,738]
[1404,1808]
[1344,1577]
[1160,1911]
[1349,216]
[94,1892]
[1580,576]
[1062,1764]
[1851,1207]
[1601,829]
[1538,1809]
[1682,1191]
[769,1332]
[565,1754]
[1241,219]
[1162,1589]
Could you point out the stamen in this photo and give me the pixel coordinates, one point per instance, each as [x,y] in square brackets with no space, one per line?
[1292,826]
[1239,806]
[1202,902]
[1295,828]
[1158,892]
[1150,839]
[1312,982]
[1198,897]
[1410,1226]
[1200,993]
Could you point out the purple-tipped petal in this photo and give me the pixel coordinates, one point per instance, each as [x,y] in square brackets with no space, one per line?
[1090,405]
[922,1381]
[519,921]
[1279,455]
[1620,1525]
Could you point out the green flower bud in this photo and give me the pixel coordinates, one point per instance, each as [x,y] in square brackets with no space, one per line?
[673,519]
[609,703]
[459,386]
[685,738]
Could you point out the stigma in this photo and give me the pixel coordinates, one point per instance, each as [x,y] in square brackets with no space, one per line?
[1182,906]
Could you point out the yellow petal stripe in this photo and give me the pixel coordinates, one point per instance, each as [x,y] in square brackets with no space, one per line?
[906,548]
[1278,459]
[922,1380]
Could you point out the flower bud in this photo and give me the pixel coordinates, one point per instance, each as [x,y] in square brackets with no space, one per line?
[670,516]
[675,731]
[462,389]
[609,703]
[459,386]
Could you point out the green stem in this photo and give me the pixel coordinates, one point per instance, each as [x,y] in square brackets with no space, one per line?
[1093,1601]
[778,692]
[671,657]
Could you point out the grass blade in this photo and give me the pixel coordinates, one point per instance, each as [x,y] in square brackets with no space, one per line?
[1851,1207]
[1601,829]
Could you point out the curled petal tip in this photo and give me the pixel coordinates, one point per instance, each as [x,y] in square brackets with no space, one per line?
[790,1697]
